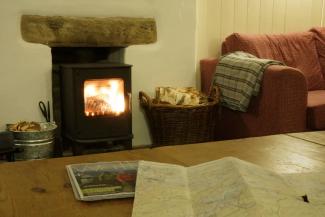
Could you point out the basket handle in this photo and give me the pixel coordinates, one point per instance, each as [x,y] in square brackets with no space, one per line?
[145,100]
[215,94]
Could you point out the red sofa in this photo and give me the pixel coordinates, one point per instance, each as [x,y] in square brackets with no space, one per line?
[292,98]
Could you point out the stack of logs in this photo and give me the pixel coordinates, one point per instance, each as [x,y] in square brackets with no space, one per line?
[180,96]
[25,126]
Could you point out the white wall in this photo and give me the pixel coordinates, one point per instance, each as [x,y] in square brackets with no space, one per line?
[25,68]
[219,18]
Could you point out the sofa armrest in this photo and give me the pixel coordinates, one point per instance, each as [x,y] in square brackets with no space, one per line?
[283,98]
[207,69]
[283,87]
[280,107]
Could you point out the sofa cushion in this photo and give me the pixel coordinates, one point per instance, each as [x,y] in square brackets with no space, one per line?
[316,110]
[319,33]
[297,50]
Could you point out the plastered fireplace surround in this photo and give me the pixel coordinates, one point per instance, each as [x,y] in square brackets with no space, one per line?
[75,41]
[26,67]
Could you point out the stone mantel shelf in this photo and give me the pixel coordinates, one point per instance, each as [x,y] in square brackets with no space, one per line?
[66,31]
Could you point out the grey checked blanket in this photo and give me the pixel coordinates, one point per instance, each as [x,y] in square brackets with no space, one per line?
[239,75]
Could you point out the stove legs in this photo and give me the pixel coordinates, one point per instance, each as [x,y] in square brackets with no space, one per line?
[79,148]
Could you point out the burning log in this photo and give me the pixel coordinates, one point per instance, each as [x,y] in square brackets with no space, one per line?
[96,105]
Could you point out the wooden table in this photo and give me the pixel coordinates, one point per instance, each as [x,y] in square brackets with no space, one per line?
[42,188]
[317,137]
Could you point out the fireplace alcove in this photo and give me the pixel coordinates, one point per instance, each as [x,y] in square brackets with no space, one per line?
[88,54]
[88,118]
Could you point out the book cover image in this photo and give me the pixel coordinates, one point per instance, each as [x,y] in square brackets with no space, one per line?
[102,179]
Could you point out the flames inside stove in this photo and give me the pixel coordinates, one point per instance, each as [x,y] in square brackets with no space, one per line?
[104,97]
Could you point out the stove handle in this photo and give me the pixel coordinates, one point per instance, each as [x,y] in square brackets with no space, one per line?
[130,101]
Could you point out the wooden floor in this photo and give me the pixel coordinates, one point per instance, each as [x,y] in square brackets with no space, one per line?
[42,188]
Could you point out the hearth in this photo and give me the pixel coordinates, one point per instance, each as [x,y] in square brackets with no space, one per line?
[92,97]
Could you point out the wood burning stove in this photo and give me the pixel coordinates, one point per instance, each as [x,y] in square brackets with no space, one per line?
[92,98]
[96,101]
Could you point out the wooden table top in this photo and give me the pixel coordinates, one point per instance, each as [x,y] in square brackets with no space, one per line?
[42,188]
[317,137]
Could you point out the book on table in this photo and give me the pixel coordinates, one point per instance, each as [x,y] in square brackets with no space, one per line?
[228,187]
[103,180]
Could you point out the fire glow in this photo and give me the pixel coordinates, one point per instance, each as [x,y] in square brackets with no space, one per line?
[104,97]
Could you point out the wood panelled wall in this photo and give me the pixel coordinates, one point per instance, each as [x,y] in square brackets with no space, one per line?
[219,18]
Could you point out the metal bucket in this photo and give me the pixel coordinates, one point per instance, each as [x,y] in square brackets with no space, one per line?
[35,144]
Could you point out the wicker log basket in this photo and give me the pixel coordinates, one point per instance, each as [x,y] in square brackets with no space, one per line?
[178,124]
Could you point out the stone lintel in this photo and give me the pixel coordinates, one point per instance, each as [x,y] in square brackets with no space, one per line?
[64,31]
